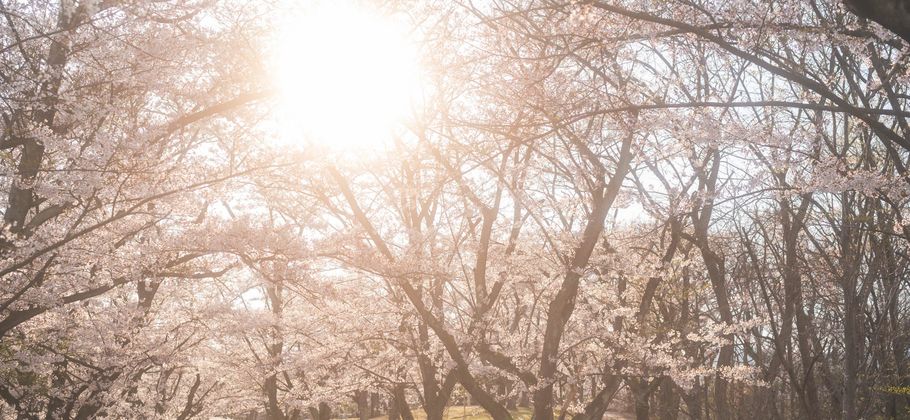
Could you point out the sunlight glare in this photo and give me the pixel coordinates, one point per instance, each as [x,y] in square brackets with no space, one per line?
[347,75]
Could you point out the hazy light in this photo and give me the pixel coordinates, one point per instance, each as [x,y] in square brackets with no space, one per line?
[347,75]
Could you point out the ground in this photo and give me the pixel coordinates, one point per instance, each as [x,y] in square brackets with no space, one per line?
[474,412]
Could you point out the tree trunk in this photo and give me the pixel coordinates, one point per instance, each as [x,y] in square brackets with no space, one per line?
[598,406]
[669,399]
[362,398]
[642,394]
[562,306]
[272,409]
[850,352]
[400,402]
[375,402]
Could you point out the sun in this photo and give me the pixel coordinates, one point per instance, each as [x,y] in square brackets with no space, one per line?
[348,75]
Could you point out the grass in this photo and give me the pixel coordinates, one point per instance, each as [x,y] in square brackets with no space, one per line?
[461,412]
[475,412]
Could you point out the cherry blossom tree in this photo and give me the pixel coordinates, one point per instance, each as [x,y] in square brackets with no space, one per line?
[676,209]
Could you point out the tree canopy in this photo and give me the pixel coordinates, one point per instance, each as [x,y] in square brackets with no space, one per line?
[671,209]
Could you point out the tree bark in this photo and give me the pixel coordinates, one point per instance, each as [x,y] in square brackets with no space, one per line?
[562,306]
[669,399]
[362,398]
[894,15]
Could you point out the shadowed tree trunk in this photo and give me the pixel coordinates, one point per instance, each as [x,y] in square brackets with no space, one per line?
[641,392]
[399,407]
[362,398]
[321,412]
[562,306]
[892,14]
[669,399]
[715,265]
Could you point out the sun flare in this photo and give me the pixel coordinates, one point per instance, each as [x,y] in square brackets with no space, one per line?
[347,75]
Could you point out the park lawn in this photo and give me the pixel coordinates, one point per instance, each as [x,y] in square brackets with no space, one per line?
[475,412]
[462,412]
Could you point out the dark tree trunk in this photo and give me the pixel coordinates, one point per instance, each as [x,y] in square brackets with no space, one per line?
[562,306]
[400,403]
[362,398]
[892,14]
[792,224]
[850,352]
[669,399]
[272,409]
[321,412]
[642,394]
[598,406]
